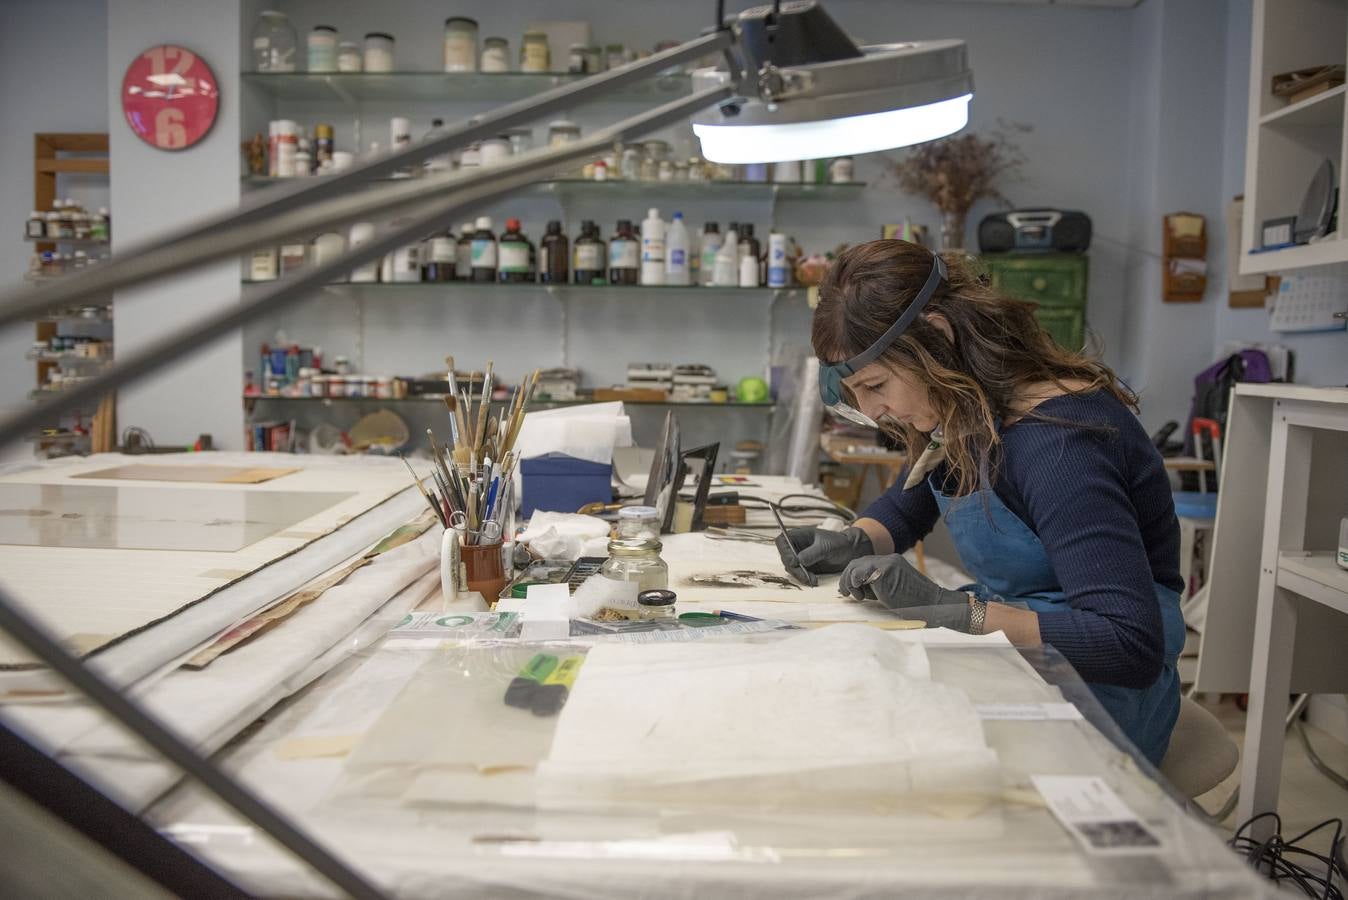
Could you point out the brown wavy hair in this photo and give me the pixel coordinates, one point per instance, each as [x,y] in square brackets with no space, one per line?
[972,381]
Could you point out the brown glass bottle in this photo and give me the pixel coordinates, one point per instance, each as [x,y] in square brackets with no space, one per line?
[556,252]
[588,263]
[484,251]
[624,255]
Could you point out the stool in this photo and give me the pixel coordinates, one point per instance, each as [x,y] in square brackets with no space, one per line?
[1201,754]
[1196,512]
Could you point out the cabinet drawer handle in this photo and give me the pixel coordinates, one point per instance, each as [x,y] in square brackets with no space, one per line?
[1039,283]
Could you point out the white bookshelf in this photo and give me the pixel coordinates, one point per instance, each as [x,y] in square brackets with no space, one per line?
[1286,143]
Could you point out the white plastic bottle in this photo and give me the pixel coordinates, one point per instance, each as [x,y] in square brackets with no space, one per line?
[777,270]
[727,267]
[711,243]
[676,252]
[653,248]
[748,271]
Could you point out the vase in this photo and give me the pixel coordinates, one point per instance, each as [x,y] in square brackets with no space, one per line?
[952,230]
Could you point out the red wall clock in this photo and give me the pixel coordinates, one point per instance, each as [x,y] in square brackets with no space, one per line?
[170,97]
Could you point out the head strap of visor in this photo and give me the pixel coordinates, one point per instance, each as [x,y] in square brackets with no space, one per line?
[892,334]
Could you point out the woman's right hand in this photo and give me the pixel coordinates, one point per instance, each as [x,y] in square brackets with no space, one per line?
[821,552]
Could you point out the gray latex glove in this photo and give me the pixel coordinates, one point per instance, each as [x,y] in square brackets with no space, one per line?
[892,581]
[821,552]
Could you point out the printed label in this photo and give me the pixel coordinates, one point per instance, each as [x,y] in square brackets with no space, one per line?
[514,257]
[442,250]
[624,254]
[463,261]
[1090,810]
[589,256]
[652,250]
[678,258]
[484,253]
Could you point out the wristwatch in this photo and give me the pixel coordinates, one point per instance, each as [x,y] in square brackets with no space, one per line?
[978,613]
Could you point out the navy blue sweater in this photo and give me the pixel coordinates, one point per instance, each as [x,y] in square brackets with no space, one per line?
[1097,496]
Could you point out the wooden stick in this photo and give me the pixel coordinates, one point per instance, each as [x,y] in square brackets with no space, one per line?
[482,413]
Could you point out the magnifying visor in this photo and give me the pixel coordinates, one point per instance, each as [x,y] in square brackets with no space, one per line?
[831,389]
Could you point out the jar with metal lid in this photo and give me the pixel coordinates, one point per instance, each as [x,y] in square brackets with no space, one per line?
[274,42]
[495,55]
[534,53]
[563,132]
[493,151]
[594,60]
[460,44]
[322,47]
[637,562]
[614,56]
[348,57]
[656,604]
[653,153]
[378,52]
[638,523]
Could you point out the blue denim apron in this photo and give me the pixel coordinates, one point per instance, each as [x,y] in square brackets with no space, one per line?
[1008,560]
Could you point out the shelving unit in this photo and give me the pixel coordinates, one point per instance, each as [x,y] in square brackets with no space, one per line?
[480,288]
[55,155]
[439,400]
[1286,143]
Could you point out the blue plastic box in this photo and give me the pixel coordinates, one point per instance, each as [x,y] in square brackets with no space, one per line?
[556,482]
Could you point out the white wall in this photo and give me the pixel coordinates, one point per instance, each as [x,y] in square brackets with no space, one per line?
[38,95]
[153,192]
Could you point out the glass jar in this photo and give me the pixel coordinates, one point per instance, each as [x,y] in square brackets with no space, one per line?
[495,55]
[638,523]
[322,46]
[460,44]
[563,132]
[614,56]
[594,60]
[575,59]
[636,562]
[348,57]
[378,52]
[656,604]
[274,42]
[653,153]
[534,53]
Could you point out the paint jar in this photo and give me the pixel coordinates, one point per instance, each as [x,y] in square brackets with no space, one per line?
[495,55]
[322,47]
[378,52]
[563,132]
[342,159]
[841,170]
[637,562]
[575,59]
[460,44]
[656,605]
[383,387]
[521,139]
[534,53]
[786,172]
[349,57]
[263,265]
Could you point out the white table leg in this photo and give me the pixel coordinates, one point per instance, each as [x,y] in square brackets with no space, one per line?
[1270,682]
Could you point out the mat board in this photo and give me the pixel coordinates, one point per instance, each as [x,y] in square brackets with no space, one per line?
[93,596]
[204,474]
[145,518]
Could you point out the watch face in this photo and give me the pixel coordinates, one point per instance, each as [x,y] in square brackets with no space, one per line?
[170,97]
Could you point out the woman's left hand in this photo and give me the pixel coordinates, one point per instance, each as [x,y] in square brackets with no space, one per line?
[893,581]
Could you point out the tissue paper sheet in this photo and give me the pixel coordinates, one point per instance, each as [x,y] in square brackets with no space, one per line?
[842,717]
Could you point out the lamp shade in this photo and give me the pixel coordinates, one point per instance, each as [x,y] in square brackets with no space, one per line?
[891,95]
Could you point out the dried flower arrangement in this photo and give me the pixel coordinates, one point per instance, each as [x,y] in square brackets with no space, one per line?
[955,172]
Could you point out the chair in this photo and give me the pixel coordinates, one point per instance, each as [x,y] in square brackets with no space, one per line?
[1201,754]
[1197,510]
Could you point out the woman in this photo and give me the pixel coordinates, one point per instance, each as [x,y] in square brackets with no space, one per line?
[1055,497]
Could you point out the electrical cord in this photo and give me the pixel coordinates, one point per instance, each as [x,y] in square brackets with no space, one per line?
[1271,857]
[816,506]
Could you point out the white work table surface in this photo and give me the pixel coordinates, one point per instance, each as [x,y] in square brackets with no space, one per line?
[439,846]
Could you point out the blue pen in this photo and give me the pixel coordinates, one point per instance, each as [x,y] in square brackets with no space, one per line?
[491,495]
[737,617]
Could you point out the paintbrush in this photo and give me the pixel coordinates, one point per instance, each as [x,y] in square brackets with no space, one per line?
[422,489]
[438,455]
[483,412]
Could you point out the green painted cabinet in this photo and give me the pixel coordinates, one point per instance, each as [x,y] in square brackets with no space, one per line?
[1055,281]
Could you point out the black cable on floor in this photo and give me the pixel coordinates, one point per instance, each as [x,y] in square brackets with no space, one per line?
[1271,857]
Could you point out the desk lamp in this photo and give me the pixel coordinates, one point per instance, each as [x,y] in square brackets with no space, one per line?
[791,85]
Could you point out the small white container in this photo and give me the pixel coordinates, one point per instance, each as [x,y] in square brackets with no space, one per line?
[495,55]
[778,272]
[786,172]
[349,57]
[322,47]
[328,247]
[378,52]
[493,151]
[841,170]
[460,44]
[1342,556]
[342,159]
[362,233]
[748,272]
[263,265]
